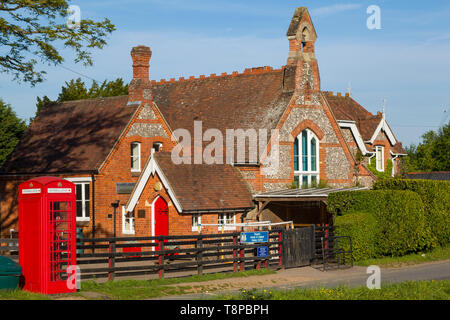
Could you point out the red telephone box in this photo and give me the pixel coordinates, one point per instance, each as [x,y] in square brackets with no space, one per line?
[47,234]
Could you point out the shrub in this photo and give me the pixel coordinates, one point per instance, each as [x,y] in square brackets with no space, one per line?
[361,227]
[400,218]
[436,199]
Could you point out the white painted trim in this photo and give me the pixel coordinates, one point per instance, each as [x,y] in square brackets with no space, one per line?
[383,125]
[382,158]
[199,222]
[124,231]
[151,168]
[80,179]
[227,227]
[354,129]
[398,154]
[153,219]
[138,155]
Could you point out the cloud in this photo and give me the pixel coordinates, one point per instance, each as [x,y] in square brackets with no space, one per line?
[334,9]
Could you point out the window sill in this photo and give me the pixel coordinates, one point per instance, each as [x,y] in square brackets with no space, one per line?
[129,233]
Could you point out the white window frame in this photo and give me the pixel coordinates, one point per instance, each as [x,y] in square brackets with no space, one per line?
[196,221]
[131,226]
[230,218]
[83,181]
[377,159]
[133,156]
[309,173]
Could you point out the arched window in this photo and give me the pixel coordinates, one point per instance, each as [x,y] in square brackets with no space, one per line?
[306,159]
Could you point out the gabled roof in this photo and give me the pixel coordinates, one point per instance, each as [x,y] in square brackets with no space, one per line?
[196,187]
[73,136]
[251,100]
[368,125]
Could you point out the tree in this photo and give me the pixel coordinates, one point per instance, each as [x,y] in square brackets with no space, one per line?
[12,129]
[433,154]
[31,30]
[76,89]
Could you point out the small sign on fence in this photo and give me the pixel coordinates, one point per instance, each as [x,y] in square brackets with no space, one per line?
[262,252]
[254,237]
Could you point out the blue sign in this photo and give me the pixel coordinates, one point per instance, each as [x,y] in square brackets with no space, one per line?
[263,251]
[254,237]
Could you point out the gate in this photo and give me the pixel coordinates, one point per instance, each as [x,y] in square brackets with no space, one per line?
[298,247]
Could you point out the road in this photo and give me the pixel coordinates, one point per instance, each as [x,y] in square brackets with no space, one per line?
[309,277]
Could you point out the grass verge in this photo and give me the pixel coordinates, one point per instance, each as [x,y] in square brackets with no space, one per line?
[134,289]
[440,253]
[411,290]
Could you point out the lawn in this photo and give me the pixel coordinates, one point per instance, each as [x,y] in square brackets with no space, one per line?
[134,289]
[440,253]
[411,290]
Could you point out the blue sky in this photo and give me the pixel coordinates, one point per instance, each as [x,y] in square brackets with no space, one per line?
[407,61]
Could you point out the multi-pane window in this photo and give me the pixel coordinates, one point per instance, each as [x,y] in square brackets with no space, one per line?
[196,221]
[226,219]
[135,156]
[379,150]
[306,159]
[127,221]
[83,200]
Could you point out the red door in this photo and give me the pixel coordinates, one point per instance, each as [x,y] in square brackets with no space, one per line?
[161,218]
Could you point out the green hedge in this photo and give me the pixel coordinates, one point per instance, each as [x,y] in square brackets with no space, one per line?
[436,199]
[400,219]
[362,229]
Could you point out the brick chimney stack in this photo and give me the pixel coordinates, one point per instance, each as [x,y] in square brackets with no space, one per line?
[140,87]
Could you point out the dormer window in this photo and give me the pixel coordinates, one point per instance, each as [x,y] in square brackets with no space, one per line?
[135,157]
[379,152]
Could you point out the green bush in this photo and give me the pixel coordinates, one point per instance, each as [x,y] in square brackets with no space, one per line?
[361,227]
[400,219]
[436,199]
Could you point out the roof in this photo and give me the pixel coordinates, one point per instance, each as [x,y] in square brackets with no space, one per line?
[303,194]
[346,108]
[73,136]
[202,187]
[253,99]
[438,175]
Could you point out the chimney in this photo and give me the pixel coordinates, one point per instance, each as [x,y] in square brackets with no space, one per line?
[140,87]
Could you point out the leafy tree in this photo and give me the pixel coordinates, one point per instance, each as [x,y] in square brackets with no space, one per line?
[31,30]
[433,154]
[76,89]
[12,129]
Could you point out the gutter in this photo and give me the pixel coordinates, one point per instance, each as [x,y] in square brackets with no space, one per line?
[216,210]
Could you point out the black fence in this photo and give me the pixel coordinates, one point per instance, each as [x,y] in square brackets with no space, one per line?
[133,256]
[332,251]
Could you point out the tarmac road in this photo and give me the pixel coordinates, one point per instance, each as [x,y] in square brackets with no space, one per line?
[356,276]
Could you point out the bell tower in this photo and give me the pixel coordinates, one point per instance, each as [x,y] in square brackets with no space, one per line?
[302,57]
